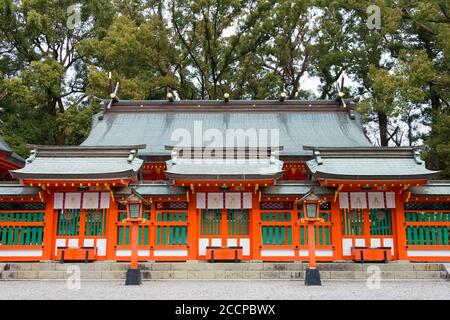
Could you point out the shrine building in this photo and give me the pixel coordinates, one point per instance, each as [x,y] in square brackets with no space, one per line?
[207,184]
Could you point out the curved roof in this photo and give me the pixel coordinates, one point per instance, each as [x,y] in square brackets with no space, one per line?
[299,123]
[368,163]
[11,156]
[80,163]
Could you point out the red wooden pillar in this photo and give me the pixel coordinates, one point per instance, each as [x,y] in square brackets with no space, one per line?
[311,245]
[193,227]
[255,240]
[134,244]
[295,232]
[152,229]
[336,230]
[82,228]
[400,227]
[111,230]
[49,231]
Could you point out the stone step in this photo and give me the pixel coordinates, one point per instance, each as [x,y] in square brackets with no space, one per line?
[222,271]
[204,266]
[221,275]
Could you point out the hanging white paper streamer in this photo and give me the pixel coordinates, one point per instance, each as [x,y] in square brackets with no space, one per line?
[215,200]
[58,200]
[105,200]
[247,202]
[90,200]
[233,200]
[376,200]
[73,200]
[201,200]
[343,200]
[358,200]
[390,199]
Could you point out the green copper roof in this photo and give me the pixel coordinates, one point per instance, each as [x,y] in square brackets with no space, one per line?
[153,189]
[299,123]
[296,189]
[224,169]
[368,163]
[53,162]
[15,189]
[433,188]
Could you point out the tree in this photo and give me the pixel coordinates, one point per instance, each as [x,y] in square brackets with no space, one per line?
[42,71]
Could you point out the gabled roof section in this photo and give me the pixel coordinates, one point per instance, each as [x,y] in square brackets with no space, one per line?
[299,188]
[368,163]
[299,123]
[81,163]
[433,188]
[10,156]
[153,189]
[15,189]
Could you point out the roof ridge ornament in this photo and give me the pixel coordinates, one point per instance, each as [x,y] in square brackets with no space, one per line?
[132,155]
[317,156]
[417,158]
[114,98]
[33,154]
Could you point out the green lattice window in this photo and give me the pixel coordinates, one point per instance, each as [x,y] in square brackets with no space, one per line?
[380,222]
[352,222]
[68,222]
[276,234]
[169,234]
[210,222]
[95,224]
[21,234]
[124,234]
[322,233]
[238,222]
[423,228]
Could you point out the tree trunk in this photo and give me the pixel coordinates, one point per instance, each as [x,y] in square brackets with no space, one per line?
[383,126]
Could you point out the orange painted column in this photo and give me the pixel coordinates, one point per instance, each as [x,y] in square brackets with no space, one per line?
[49,230]
[311,246]
[193,228]
[223,227]
[111,230]
[336,230]
[255,241]
[295,232]
[152,229]
[400,227]
[134,244]
[82,228]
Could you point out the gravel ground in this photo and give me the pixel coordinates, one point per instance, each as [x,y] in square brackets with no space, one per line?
[224,290]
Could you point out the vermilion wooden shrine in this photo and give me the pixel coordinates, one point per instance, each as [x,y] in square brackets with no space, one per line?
[239,201]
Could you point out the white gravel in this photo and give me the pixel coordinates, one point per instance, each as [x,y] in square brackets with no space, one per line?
[224,290]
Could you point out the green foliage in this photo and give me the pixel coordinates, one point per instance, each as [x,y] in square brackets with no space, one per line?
[437,152]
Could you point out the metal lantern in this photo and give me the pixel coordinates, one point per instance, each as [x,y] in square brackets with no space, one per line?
[311,206]
[134,210]
[311,210]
